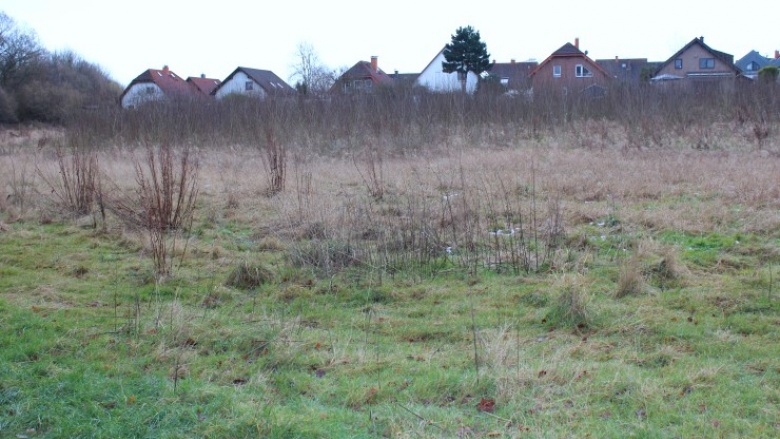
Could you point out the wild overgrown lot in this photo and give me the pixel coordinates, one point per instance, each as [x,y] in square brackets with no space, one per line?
[558,283]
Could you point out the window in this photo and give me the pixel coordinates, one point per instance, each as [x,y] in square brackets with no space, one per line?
[706,63]
[581,72]
[752,67]
[249,86]
[556,71]
[505,82]
[150,90]
[678,63]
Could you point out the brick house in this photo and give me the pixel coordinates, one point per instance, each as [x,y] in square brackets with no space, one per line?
[569,70]
[699,62]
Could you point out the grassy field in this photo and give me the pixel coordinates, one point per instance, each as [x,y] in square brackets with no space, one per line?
[562,286]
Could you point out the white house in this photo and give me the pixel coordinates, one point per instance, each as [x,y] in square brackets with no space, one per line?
[253,82]
[434,79]
[154,85]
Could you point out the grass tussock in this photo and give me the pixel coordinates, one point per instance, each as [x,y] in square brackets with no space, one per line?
[631,281]
[248,277]
[571,306]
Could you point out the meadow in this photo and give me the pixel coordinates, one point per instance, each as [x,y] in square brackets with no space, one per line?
[430,277]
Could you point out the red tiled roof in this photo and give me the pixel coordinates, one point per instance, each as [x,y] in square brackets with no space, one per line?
[204,85]
[363,70]
[170,83]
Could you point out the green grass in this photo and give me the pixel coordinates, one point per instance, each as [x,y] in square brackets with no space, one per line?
[91,347]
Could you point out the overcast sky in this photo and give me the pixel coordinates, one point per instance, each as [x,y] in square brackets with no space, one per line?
[214,37]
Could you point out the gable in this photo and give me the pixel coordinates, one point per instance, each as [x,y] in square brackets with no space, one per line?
[267,82]
[569,54]
[698,59]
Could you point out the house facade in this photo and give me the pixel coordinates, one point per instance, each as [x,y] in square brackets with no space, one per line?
[435,79]
[155,85]
[569,70]
[363,77]
[697,61]
[254,83]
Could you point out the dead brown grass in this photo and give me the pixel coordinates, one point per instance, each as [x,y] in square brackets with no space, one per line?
[460,189]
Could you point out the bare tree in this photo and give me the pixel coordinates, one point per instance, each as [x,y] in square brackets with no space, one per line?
[310,74]
[18,48]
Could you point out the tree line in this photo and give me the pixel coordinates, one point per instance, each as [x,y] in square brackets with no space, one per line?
[41,86]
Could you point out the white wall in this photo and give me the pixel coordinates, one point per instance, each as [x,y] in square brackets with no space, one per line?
[434,79]
[140,93]
[237,84]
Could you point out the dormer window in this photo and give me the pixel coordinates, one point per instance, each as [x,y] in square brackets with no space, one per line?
[752,66]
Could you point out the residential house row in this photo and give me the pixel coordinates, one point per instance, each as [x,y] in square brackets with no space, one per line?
[568,69]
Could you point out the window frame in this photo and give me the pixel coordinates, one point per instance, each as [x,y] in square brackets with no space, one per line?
[249,86]
[706,63]
[580,71]
[556,70]
[678,64]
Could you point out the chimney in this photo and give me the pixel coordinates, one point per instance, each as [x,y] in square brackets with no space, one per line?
[577,42]
[512,61]
[374,64]
[203,76]
[777,54]
[165,69]
[617,59]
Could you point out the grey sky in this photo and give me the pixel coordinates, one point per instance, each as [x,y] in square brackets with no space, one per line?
[192,37]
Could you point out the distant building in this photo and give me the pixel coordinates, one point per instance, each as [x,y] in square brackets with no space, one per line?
[256,83]
[203,84]
[631,71]
[569,70]
[698,62]
[751,63]
[514,76]
[155,85]
[434,78]
[363,77]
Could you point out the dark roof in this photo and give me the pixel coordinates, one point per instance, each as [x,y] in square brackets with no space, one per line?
[266,79]
[755,57]
[628,69]
[728,59]
[517,73]
[569,50]
[404,77]
[203,85]
[170,83]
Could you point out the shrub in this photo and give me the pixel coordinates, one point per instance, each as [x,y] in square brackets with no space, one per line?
[76,187]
